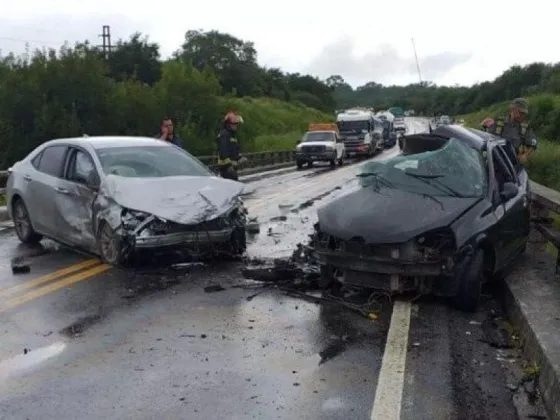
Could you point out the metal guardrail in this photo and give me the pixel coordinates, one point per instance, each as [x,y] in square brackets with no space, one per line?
[545,209]
[254,160]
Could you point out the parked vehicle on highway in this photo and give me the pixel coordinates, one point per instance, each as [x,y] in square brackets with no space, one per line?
[321,143]
[451,211]
[112,196]
[360,132]
[400,125]
[443,120]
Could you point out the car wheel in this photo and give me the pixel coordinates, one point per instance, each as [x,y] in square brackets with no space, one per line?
[238,241]
[109,245]
[22,223]
[299,164]
[470,279]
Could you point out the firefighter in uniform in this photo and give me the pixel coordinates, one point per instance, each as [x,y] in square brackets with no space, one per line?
[515,129]
[229,156]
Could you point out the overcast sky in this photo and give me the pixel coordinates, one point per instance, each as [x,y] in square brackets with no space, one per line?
[362,40]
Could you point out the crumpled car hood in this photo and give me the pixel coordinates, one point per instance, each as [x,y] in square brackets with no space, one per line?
[180,199]
[388,216]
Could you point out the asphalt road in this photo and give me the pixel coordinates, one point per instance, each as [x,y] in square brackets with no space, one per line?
[80,340]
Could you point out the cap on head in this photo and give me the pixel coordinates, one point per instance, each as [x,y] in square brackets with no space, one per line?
[521,104]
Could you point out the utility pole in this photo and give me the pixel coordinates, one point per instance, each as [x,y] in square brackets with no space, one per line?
[416,58]
[106,35]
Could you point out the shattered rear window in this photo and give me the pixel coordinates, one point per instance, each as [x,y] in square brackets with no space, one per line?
[150,162]
[455,170]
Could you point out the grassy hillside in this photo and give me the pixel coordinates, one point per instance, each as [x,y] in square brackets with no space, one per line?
[272,124]
[544,164]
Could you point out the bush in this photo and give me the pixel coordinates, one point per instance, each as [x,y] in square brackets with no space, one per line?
[544,164]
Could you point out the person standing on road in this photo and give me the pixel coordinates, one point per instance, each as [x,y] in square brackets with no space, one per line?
[167,132]
[229,152]
[515,129]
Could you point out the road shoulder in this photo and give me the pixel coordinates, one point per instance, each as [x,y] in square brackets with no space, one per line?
[532,300]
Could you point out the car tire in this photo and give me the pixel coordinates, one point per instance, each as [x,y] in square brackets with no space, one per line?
[299,164]
[22,223]
[238,241]
[470,279]
[109,245]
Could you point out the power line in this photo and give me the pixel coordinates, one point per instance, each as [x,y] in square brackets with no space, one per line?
[30,41]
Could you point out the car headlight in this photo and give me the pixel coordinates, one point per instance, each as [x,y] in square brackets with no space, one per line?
[298,147]
[130,219]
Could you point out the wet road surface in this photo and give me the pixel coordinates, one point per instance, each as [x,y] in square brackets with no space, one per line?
[81,340]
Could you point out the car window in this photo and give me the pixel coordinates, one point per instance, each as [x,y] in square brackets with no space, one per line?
[318,136]
[454,170]
[52,160]
[502,171]
[37,160]
[81,167]
[150,162]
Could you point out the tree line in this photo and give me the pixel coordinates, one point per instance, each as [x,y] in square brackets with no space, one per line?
[46,94]
[78,90]
[429,99]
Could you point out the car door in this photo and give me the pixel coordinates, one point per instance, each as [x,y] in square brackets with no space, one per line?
[522,212]
[42,179]
[508,213]
[74,200]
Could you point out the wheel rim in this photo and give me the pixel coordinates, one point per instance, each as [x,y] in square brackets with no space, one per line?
[108,244]
[21,220]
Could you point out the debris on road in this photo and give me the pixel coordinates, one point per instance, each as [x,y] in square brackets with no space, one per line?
[214,288]
[20,266]
[298,275]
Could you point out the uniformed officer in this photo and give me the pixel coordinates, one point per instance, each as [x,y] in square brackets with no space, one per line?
[229,155]
[515,129]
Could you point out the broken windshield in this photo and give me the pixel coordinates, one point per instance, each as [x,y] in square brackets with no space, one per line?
[150,162]
[454,170]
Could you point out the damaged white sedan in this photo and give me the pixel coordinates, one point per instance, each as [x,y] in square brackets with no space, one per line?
[112,196]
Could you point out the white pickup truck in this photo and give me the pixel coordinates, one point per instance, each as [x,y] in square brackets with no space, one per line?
[321,143]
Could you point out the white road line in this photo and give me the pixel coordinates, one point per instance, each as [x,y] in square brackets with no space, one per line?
[390,384]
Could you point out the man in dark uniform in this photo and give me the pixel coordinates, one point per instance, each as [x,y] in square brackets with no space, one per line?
[516,130]
[229,156]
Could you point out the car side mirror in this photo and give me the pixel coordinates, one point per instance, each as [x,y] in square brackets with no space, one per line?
[509,190]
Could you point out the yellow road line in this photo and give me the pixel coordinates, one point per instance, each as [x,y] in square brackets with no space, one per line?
[65,282]
[49,277]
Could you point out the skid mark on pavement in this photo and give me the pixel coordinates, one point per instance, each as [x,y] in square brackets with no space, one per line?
[390,384]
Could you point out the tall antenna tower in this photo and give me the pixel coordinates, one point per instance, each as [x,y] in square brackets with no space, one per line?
[416,58]
[106,35]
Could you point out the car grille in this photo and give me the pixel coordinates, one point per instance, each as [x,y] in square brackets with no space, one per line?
[235,218]
[313,149]
[353,246]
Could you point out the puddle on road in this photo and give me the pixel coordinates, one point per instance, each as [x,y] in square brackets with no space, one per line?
[29,359]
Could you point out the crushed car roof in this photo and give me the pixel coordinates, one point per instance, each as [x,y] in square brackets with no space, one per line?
[474,138]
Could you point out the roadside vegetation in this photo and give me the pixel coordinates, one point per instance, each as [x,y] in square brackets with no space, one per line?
[544,164]
[78,90]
